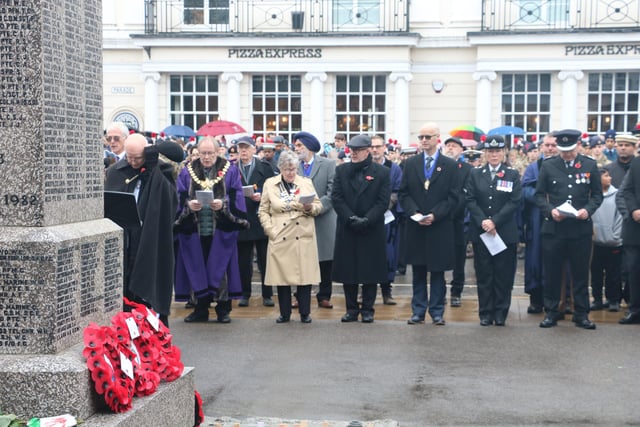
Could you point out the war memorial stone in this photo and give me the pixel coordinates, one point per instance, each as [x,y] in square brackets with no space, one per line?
[60,260]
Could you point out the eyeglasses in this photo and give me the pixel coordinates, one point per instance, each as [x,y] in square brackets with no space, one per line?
[207,153]
[377,146]
[421,137]
[110,138]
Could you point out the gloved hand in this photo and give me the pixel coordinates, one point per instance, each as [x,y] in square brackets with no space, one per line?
[358,224]
[150,156]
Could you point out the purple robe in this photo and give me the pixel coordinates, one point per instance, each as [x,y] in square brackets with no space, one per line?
[192,274]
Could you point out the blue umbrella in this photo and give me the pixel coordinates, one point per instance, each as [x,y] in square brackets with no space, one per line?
[506,130]
[180,131]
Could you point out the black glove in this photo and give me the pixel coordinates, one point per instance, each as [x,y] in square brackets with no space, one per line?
[358,224]
[150,156]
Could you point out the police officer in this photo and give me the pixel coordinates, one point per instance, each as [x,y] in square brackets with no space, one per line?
[493,194]
[568,192]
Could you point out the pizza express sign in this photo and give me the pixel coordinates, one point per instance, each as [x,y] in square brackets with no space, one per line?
[601,49]
[284,53]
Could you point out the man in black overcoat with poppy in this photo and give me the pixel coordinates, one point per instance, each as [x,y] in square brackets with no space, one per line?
[360,196]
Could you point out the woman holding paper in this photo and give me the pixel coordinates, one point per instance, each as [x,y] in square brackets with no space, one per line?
[286,213]
[492,194]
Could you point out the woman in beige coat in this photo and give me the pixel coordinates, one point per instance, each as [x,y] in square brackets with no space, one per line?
[292,254]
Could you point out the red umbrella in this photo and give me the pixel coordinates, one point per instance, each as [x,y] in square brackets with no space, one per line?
[467,132]
[220,127]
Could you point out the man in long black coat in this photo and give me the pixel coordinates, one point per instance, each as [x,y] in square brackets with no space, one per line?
[148,252]
[430,187]
[360,196]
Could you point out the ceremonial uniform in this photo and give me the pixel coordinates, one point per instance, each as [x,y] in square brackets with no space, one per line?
[497,199]
[575,182]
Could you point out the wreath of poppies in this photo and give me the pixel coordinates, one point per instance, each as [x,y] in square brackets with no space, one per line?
[130,357]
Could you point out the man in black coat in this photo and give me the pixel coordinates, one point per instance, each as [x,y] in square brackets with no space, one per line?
[148,250]
[628,201]
[568,192]
[254,173]
[360,196]
[493,195]
[429,195]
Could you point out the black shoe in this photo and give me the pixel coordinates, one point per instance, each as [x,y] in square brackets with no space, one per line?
[456,301]
[596,305]
[349,318]
[268,302]
[284,319]
[190,305]
[534,309]
[415,320]
[438,321]
[305,318]
[548,322]
[197,317]
[224,318]
[367,318]
[388,300]
[401,271]
[630,319]
[614,307]
[499,322]
[244,302]
[567,309]
[484,321]
[585,324]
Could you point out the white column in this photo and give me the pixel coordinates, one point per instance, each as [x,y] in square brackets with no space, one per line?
[483,98]
[401,107]
[233,96]
[569,81]
[317,105]
[151,120]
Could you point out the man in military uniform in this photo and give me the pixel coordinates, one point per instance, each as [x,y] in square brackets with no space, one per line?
[493,195]
[568,192]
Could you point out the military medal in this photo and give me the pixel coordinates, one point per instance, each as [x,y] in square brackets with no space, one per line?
[426,184]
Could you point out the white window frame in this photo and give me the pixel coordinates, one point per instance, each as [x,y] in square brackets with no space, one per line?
[520,118]
[206,25]
[194,117]
[612,92]
[367,122]
[284,120]
[550,13]
[354,23]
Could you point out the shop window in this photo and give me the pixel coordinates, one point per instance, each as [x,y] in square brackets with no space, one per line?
[612,101]
[526,102]
[361,104]
[193,100]
[277,108]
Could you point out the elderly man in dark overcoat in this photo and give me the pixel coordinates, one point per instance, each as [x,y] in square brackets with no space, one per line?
[429,194]
[360,196]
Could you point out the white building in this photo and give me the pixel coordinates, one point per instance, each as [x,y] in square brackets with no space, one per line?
[372,66]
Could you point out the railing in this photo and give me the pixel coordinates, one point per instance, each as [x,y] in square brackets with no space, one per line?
[544,15]
[276,16]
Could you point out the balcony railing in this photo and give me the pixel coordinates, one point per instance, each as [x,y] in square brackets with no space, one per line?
[545,15]
[164,17]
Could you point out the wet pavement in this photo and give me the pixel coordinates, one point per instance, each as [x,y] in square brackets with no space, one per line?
[389,373]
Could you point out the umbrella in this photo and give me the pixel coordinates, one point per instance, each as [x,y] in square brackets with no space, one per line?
[179,131]
[467,132]
[220,127]
[506,130]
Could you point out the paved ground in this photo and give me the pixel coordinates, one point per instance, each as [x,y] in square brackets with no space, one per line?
[461,374]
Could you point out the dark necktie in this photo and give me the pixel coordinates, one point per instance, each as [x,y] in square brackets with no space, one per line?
[568,163]
[428,163]
[493,173]
[307,169]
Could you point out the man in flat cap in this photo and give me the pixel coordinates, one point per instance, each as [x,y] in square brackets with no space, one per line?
[493,195]
[568,192]
[429,194]
[360,196]
[322,172]
[254,172]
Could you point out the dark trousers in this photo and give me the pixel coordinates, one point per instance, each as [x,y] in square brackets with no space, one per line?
[326,285]
[245,262]
[421,299]
[606,269]
[555,252]
[368,298]
[303,294]
[460,256]
[632,256]
[495,276]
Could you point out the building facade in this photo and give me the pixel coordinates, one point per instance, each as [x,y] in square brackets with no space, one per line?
[372,66]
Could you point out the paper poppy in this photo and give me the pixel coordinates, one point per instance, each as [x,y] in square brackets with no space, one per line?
[500,174]
[368,178]
[577,165]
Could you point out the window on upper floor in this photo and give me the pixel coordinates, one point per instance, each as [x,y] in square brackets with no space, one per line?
[542,12]
[193,100]
[526,102]
[206,12]
[277,105]
[356,14]
[612,101]
[361,104]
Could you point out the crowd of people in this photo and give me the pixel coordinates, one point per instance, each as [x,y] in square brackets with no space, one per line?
[359,211]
